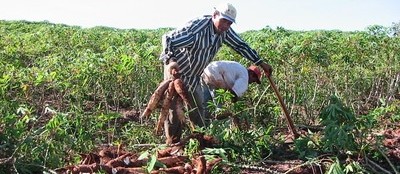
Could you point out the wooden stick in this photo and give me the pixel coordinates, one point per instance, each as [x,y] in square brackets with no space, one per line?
[287,116]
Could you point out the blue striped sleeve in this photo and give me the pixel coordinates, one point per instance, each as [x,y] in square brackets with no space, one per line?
[181,38]
[233,40]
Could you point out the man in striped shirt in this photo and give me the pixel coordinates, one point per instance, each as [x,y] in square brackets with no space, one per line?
[190,49]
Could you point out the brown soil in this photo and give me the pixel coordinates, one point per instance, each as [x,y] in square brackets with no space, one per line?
[117,160]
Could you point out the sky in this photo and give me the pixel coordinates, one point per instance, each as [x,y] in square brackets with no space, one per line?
[301,15]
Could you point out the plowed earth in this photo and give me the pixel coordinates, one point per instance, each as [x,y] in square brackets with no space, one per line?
[116,160]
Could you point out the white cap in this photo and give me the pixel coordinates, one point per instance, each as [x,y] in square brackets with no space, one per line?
[227,11]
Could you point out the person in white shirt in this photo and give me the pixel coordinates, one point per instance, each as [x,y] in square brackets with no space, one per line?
[228,75]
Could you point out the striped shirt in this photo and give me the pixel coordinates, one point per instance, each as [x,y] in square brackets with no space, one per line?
[194,46]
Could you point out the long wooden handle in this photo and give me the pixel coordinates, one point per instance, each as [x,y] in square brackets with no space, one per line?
[288,118]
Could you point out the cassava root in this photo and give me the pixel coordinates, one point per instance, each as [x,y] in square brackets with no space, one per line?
[155,98]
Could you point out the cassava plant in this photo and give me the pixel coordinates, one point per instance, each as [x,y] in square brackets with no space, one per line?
[339,132]
[243,141]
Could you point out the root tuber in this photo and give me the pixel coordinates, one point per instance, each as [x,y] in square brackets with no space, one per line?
[180,113]
[121,161]
[86,168]
[165,107]
[180,89]
[169,151]
[175,169]
[129,170]
[171,161]
[155,98]
[200,165]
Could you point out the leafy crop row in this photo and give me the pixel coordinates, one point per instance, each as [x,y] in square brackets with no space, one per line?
[63,88]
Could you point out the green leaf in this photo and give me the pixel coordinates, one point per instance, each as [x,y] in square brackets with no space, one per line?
[152,162]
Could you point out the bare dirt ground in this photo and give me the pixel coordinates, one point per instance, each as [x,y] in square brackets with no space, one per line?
[115,160]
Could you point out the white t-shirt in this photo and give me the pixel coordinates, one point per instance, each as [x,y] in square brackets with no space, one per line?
[227,75]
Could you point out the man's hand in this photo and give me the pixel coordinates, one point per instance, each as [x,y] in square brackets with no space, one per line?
[267,69]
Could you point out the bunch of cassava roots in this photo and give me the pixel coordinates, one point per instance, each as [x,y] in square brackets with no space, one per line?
[170,91]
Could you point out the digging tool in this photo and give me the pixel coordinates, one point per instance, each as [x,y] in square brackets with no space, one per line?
[289,120]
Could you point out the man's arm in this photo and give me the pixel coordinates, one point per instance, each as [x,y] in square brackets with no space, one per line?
[235,96]
[174,41]
[234,41]
[181,38]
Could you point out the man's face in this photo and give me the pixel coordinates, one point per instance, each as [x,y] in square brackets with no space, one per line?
[221,24]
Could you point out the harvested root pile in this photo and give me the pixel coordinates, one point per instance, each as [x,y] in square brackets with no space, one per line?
[392,142]
[115,160]
[167,92]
